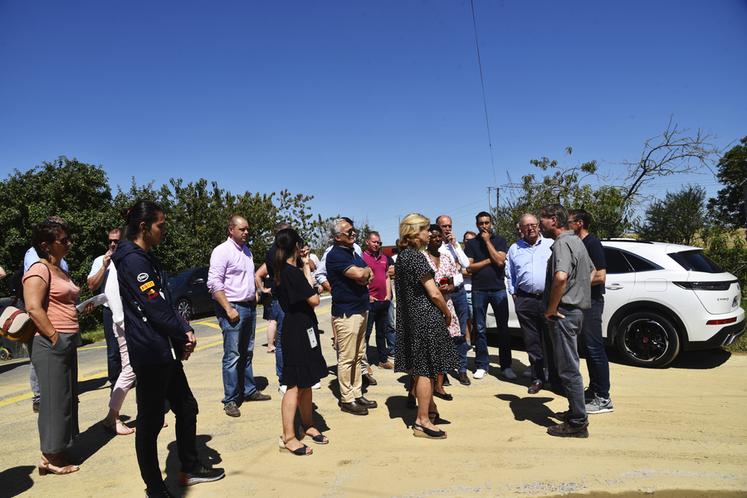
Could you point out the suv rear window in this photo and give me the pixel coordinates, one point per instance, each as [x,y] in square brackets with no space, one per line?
[696,261]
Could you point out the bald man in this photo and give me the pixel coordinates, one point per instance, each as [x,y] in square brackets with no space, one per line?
[231,283]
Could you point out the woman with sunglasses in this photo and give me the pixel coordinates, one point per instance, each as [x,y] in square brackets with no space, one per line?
[303,363]
[424,348]
[444,270]
[50,297]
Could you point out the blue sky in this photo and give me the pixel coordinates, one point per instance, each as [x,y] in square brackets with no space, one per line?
[372,107]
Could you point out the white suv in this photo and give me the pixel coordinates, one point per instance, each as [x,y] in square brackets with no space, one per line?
[664,298]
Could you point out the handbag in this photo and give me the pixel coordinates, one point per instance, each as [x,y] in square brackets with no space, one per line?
[15,324]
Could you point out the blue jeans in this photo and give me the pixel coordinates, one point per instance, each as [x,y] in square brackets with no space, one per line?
[497,299]
[280,317]
[238,351]
[461,306]
[596,355]
[378,314]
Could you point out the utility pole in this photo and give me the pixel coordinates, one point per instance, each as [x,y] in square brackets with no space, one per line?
[497,197]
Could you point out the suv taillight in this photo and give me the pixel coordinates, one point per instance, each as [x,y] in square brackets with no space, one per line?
[714,286]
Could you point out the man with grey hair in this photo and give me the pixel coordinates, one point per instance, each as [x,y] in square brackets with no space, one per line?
[526,264]
[567,294]
[349,277]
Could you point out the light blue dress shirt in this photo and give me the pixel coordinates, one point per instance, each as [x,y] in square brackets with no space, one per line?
[526,265]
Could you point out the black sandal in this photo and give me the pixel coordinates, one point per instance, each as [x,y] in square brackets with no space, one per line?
[319,438]
[444,396]
[420,431]
[302,451]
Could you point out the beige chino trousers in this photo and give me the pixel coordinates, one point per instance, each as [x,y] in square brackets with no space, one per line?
[350,332]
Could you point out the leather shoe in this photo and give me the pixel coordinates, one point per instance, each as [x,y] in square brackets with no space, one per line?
[258,396]
[387,365]
[369,379]
[444,396]
[366,402]
[463,379]
[535,387]
[353,407]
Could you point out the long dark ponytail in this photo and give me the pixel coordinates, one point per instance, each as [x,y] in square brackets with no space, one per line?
[287,241]
[141,211]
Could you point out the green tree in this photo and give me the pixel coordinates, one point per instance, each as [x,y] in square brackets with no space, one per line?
[728,207]
[570,187]
[674,151]
[677,218]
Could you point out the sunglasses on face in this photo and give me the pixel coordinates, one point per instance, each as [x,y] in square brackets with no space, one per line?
[350,232]
[114,241]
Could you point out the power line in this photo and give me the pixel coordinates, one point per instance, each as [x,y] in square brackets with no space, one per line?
[482,86]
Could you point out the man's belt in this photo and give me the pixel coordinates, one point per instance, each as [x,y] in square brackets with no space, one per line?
[535,295]
[458,288]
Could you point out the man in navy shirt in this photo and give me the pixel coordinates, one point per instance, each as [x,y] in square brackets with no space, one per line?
[597,396]
[349,277]
[487,257]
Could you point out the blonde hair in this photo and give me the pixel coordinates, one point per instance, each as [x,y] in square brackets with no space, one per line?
[409,228]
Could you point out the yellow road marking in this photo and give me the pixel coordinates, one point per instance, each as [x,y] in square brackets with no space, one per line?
[102,374]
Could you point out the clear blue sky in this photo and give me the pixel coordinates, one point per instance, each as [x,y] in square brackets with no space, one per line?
[372,107]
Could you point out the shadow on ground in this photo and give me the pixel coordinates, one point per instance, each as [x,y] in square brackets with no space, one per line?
[206,455]
[529,408]
[16,480]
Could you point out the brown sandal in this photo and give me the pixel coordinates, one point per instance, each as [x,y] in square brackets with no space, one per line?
[55,464]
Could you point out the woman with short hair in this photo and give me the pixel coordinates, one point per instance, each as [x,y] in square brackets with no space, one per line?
[423,348]
[50,297]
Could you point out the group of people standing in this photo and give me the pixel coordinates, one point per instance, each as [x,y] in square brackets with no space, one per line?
[555,274]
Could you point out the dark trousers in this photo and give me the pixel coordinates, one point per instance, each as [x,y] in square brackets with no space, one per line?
[57,371]
[378,314]
[596,355]
[155,385]
[499,302]
[564,333]
[113,358]
[530,311]
[461,306]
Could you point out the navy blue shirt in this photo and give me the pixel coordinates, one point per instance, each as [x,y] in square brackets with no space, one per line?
[596,253]
[348,296]
[491,277]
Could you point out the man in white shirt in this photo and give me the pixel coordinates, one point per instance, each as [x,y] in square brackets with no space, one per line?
[96,282]
[458,295]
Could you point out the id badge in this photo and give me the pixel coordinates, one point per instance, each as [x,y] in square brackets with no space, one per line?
[312,337]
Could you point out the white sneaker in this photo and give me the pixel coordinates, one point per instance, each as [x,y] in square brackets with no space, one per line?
[479,374]
[282,388]
[318,385]
[509,373]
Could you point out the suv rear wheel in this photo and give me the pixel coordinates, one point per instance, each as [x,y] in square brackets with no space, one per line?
[647,339]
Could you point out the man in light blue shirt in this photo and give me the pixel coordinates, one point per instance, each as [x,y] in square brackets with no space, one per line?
[526,266]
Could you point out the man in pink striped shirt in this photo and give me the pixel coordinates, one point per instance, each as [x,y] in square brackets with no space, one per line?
[231,282]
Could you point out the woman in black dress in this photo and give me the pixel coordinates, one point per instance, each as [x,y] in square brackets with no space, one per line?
[423,348]
[303,363]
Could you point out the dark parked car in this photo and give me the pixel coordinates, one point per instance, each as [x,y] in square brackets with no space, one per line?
[190,294]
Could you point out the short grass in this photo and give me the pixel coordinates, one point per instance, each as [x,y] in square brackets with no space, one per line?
[94,335]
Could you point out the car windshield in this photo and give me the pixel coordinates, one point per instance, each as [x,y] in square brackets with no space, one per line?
[696,261]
